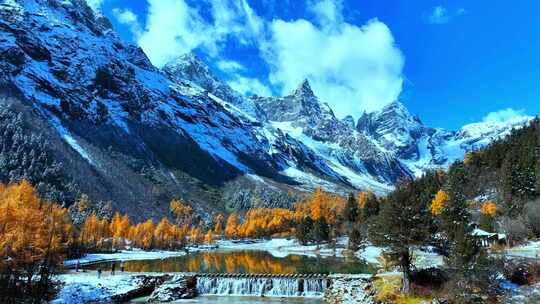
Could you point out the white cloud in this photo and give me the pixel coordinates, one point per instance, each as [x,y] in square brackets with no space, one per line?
[353,68]
[236,18]
[174,28]
[504,115]
[127,17]
[249,86]
[230,66]
[440,15]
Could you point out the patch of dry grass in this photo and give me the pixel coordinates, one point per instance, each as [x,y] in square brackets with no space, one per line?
[388,290]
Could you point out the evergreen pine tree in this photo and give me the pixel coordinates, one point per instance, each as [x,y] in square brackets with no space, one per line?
[321,230]
[371,207]
[303,230]
[401,225]
[456,220]
[350,212]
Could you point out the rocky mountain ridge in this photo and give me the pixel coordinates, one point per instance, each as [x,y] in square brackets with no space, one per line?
[138,136]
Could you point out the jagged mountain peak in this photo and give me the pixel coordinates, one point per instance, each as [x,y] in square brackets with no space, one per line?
[349,120]
[188,60]
[190,67]
[397,111]
[304,90]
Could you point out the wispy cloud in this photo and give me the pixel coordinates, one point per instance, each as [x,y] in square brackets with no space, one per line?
[228,66]
[127,17]
[504,115]
[248,86]
[440,15]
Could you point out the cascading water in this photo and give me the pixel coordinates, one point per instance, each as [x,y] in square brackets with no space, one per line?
[271,287]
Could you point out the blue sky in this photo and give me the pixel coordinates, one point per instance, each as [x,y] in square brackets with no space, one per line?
[450,62]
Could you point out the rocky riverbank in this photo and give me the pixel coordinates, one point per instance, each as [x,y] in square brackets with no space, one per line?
[352,288]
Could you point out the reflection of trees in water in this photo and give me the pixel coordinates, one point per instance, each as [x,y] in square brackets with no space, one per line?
[246,262]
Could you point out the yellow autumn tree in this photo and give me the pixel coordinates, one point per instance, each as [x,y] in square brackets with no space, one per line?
[163,234]
[361,198]
[142,234]
[438,203]
[94,231]
[321,205]
[181,211]
[34,235]
[488,208]
[218,224]
[119,228]
[209,237]
[196,236]
[265,222]
[231,228]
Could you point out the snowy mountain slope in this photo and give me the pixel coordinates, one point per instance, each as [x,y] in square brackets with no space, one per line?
[139,136]
[420,148]
[111,106]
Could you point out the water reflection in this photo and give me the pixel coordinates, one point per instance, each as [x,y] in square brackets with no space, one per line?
[248,261]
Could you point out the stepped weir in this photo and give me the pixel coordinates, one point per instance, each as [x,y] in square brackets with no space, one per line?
[272,285]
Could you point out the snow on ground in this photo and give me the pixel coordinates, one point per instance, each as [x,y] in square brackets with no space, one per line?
[281,247]
[87,287]
[421,258]
[124,255]
[370,253]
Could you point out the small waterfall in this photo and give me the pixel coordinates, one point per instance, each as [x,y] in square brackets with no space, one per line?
[254,286]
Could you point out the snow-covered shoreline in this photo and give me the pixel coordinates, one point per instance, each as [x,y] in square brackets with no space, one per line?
[83,287]
[123,255]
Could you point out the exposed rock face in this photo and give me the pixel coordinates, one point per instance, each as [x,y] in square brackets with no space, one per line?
[177,288]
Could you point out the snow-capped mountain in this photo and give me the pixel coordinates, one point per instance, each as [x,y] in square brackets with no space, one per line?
[137,135]
[420,148]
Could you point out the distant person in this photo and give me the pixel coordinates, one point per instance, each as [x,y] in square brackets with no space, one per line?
[99,273]
[113,267]
[122,266]
[77,266]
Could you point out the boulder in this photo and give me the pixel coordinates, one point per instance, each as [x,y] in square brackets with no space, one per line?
[177,288]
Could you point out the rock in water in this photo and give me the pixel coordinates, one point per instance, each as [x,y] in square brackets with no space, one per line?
[177,288]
